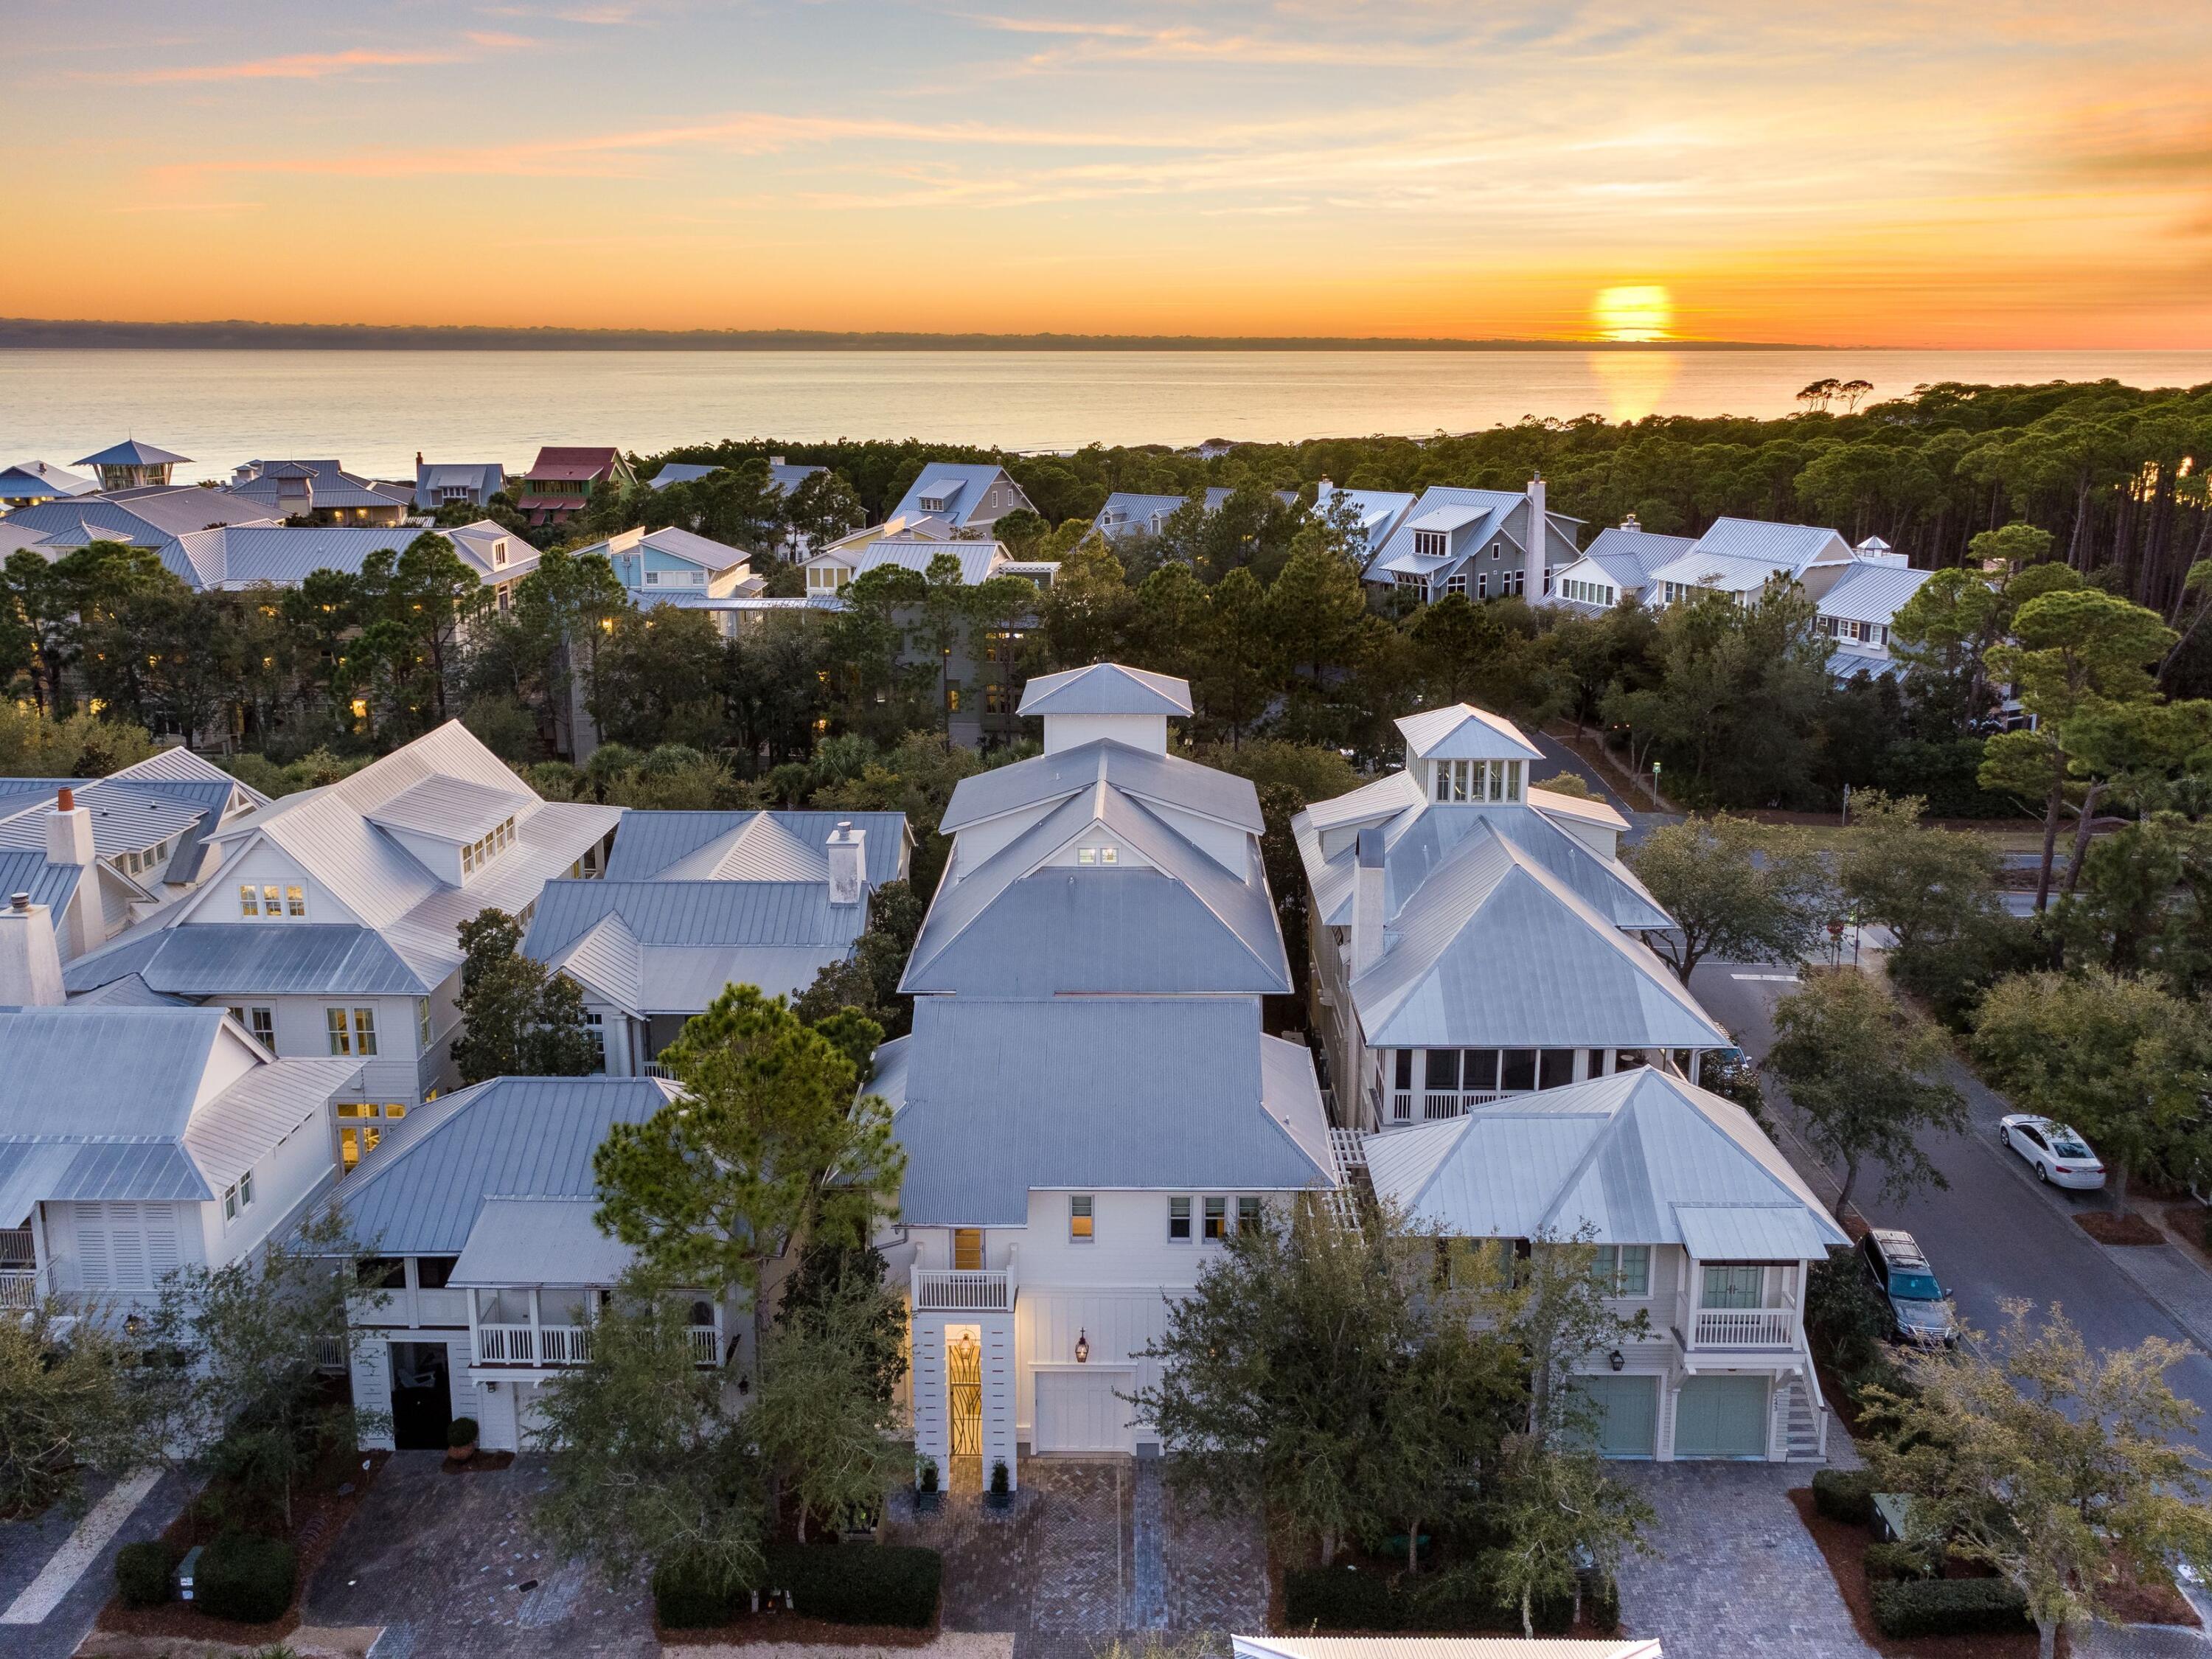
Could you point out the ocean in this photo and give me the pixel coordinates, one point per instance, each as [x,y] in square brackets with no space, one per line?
[374,409]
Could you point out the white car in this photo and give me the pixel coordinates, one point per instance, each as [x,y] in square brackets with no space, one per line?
[2058,1156]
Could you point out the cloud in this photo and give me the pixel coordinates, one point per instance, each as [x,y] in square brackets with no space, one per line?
[296,66]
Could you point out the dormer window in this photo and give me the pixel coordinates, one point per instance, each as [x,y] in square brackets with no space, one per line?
[1098,855]
[1431,543]
[487,847]
[932,503]
[1475,780]
[499,552]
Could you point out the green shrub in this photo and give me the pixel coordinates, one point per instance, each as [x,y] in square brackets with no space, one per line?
[143,1574]
[1844,1495]
[1887,1563]
[860,1583]
[461,1431]
[245,1576]
[1337,1598]
[686,1598]
[1948,1606]
[1601,1604]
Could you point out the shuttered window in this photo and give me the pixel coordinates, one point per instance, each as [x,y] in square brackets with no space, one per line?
[127,1246]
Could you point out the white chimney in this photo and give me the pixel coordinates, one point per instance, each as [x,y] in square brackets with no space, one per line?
[847,850]
[30,961]
[1367,900]
[68,831]
[1536,554]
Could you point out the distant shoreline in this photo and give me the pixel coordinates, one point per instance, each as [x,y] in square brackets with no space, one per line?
[26,332]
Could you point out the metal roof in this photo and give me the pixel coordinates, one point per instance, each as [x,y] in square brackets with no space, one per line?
[37,480]
[331,483]
[1640,1157]
[1018,924]
[151,517]
[126,818]
[229,1134]
[1792,546]
[25,870]
[1459,731]
[1156,779]
[648,843]
[1495,950]
[995,1099]
[1629,556]
[252,959]
[131,452]
[695,913]
[89,1073]
[962,486]
[1871,592]
[1106,688]
[452,808]
[512,1137]
[978,560]
[540,1240]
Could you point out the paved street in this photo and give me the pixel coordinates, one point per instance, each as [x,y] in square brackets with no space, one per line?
[1996,1233]
[56,1571]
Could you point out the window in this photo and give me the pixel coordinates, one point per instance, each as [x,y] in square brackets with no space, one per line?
[1216,1219]
[1732,1285]
[596,1027]
[249,900]
[433,1272]
[246,1190]
[1443,1069]
[1456,582]
[364,1031]
[1482,584]
[264,1023]
[1481,1069]
[1555,1067]
[1519,1069]
[383,1273]
[272,904]
[230,1204]
[653,579]
[295,902]
[423,1023]
[1081,1222]
[1404,1072]
[341,1034]
[1247,1215]
[499,552]
[968,1249]
[1178,1221]
[1626,1268]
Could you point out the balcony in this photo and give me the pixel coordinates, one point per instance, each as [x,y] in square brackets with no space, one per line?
[19,1269]
[1434,1105]
[963,1290]
[556,1345]
[1744,1327]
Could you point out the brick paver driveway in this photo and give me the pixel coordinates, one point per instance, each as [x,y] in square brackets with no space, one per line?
[1091,1550]
[1736,1574]
[442,1559]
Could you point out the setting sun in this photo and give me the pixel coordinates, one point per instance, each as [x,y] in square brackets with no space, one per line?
[1644,312]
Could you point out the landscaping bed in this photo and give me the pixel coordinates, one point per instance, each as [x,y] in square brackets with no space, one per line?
[2117,1227]
[888,1595]
[1843,1543]
[1366,1594]
[318,1515]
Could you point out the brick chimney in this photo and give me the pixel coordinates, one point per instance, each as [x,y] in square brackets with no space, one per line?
[30,961]
[847,850]
[68,832]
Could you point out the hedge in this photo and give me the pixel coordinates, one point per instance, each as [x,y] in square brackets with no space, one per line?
[245,1576]
[1949,1606]
[842,1584]
[143,1574]
[1342,1598]
[1844,1495]
[860,1583]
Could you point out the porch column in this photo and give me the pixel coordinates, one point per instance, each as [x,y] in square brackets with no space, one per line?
[1696,1056]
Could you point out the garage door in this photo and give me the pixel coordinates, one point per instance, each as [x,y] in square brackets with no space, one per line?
[1721,1416]
[1080,1412]
[1627,1414]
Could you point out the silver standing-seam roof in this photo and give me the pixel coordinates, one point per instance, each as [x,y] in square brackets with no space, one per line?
[512,1137]
[1459,731]
[651,844]
[992,1100]
[252,959]
[1639,1158]
[1870,593]
[1105,687]
[538,1241]
[1154,778]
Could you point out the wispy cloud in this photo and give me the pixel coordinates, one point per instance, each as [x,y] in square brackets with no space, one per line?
[294,66]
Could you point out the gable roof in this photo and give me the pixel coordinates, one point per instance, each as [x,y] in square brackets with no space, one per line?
[332,484]
[38,481]
[512,1137]
[251,958]
[1156,779]
[1106,688]
[724,846]
[1630,556]
[1871,592]
[978,561]
[131,452]
[1459,731]
[1640,1158]
[241,555]
[961,485]
[992,1100]
[25,870]
[569,463]
[1018,925]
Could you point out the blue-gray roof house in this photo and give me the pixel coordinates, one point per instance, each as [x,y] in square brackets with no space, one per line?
[37,481]
[1482,544]
[966,496]
[131,465]
[1087,1101]
[440,484]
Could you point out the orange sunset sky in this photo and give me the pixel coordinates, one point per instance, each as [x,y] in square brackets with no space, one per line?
[1980,173]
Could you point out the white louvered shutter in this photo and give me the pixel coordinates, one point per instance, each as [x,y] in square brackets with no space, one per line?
[162,1255]
[94,1260]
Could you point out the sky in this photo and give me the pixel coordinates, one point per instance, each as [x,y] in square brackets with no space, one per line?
[2006,174]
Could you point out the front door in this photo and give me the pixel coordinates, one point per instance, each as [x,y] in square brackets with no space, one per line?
[1721,1416]
[963,1393]
[421,1396]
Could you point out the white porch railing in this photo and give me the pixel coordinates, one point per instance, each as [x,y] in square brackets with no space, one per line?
[1744,1327]
[19,1288]
[1433,1106]
[563,1344]
[705,1344]
[654,1068]
[963,1290]
[505,1345]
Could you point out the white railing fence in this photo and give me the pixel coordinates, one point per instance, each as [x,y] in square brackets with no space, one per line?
[1745,1328]
[963,1290]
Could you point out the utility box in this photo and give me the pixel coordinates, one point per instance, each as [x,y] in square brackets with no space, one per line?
[188,1571]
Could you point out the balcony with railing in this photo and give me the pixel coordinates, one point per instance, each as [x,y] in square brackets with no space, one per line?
[1744,1327]
[19,1268]
[1434,1105]
[963,1290]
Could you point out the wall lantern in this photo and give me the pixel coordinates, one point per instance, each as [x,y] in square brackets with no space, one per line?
[1616,1359]
[1083,1347]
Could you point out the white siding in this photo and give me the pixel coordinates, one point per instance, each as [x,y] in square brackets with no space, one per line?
[121,1248]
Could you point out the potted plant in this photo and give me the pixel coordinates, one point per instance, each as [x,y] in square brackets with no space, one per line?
[461,1440]
[1001,1494]
[926,1497]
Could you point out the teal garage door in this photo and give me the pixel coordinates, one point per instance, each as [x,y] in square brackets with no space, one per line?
[1721,1416]
[1627,1414]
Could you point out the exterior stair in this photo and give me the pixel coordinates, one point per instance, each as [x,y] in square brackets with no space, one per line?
[1803,1441]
